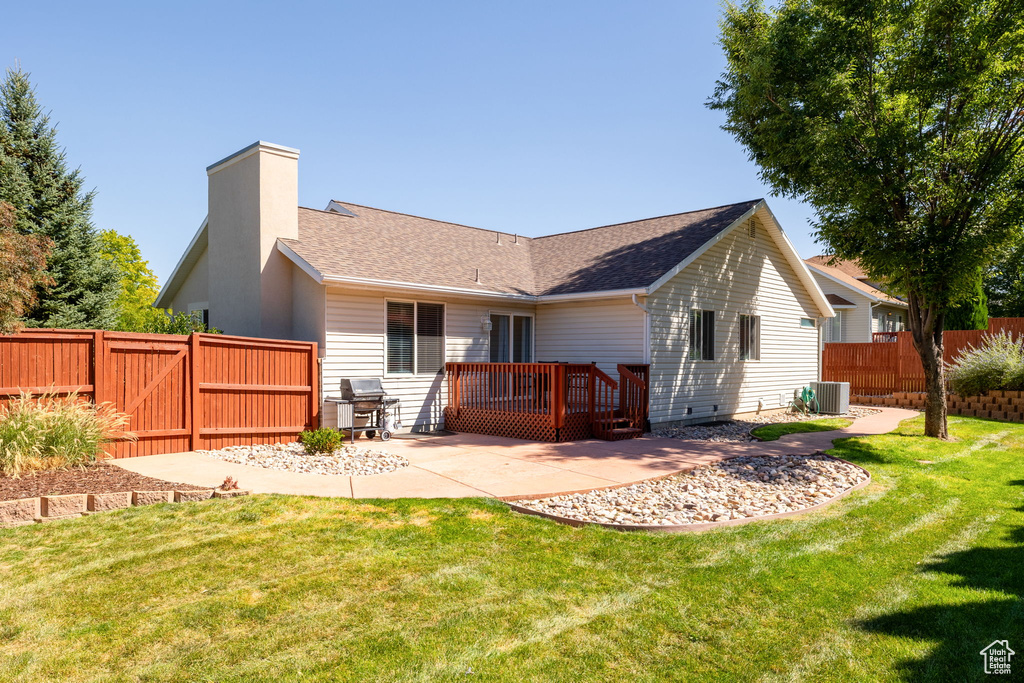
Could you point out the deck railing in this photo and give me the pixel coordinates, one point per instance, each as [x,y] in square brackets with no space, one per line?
[884,337]
[634,393]
[565,398]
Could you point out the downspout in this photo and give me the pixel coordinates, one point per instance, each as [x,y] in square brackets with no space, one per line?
[871,318]
[647,329]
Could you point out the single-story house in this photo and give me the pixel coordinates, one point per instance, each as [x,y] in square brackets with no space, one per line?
[716,301]
[864,311]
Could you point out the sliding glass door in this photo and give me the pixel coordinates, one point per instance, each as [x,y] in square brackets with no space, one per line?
[511,338]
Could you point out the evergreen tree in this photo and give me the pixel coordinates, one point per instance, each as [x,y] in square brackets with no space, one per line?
[1004,283]
[50,203]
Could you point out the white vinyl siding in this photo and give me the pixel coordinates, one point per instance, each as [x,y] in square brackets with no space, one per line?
[737,276]
[355,347]
[857,323]
[888,319]
[606,332]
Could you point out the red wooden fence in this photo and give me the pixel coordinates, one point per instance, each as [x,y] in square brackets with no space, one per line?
[880,368]
[202,391]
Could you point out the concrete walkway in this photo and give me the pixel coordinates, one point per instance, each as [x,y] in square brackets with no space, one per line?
[476,465]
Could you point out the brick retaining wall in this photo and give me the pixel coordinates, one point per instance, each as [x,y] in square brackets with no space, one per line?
[996,405]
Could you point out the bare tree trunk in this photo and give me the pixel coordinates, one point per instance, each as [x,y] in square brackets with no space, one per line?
[926,324]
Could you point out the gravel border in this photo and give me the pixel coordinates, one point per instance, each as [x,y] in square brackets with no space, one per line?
[684,528]
[347,461]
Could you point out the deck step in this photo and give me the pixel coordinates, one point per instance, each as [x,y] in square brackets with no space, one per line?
[606,421]
[620,433]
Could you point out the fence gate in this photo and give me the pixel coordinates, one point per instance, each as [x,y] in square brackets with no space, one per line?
[150,381]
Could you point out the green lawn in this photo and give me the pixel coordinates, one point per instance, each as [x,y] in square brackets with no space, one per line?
[906,579]
[772,432]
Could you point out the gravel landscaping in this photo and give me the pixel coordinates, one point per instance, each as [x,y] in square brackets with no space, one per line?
[96,478]
[348,460]
[739,430]
[743,487]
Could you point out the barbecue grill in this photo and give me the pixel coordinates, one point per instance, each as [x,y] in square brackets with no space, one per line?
[366,398]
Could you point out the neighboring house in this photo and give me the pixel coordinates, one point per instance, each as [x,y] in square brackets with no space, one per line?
[717,301]
[863,309]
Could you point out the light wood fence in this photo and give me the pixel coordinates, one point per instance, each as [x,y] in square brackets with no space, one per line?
[202,391]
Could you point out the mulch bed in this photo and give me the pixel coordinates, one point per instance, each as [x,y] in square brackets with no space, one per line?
[97,478]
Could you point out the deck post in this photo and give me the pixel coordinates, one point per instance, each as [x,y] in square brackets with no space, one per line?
[559,379]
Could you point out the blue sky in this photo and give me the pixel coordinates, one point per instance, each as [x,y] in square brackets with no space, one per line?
[527,117]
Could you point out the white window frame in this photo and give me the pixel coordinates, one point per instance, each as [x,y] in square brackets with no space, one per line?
[830,326]
[511,334]
[739,319]
[717,315]
[415,347]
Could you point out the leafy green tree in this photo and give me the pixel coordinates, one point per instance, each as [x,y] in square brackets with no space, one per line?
[1004,283]
[972,312]
[138,285]
[902,125]
[22,270]
[51,204]
[182,323]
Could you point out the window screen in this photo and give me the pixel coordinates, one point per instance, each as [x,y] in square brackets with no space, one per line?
[415,338]
[834,328]
[401,316]
[429,338]
[750,337]
[702,335]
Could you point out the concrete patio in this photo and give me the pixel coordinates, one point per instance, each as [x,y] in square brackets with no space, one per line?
[466,465]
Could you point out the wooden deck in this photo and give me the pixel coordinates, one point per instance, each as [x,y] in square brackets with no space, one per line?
[546,401]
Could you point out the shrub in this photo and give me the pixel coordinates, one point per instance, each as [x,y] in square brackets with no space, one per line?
[996,364]
[323,440]
[54,432]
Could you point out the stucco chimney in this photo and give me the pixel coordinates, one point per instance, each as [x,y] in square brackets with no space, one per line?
[254,198]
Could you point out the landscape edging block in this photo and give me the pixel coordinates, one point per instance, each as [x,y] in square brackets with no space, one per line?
[62,506]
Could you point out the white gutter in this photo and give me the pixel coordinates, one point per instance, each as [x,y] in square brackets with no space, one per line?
[647,329]
[871,308]
[438,289]
[607,294]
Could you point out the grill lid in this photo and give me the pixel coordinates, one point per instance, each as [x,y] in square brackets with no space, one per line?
[354,389]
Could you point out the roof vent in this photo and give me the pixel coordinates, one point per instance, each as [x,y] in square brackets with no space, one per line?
[335,207]
[752,229]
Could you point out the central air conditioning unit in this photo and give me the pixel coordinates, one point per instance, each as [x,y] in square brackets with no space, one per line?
[833,397]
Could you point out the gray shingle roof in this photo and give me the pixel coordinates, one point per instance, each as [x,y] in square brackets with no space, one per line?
[384,245]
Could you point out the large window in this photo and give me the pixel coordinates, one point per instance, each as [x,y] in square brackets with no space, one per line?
[834,328]
[750,337]
[702,335]
[415,338]
[511,338]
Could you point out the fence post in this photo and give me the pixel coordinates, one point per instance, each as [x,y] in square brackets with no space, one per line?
[314,387]
[99,369]
[197,406]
